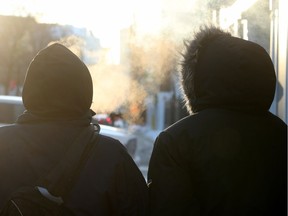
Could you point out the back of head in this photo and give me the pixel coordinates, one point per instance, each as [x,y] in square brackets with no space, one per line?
[57,84]
[222,71]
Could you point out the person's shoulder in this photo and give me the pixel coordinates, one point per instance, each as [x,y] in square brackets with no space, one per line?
[187,126]
[111,152]
[175,130]
[9,136]
[108,140]
[8,129]
[181,124]
[201,120]
[111,145]
[277,120]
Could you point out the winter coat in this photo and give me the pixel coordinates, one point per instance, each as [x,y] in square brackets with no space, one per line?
[230,156]
[57,95]
[220,162]
[110,183]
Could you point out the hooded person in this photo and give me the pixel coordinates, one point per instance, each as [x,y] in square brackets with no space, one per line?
[57,95]
[57,85]
[228,157]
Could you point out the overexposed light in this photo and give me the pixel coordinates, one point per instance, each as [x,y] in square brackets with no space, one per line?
[230,15]
[13,7]
[105,18]
[283,55]
[102,15]
[147,16]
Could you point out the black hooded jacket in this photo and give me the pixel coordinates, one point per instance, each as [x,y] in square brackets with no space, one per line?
[229,158]
[57,95]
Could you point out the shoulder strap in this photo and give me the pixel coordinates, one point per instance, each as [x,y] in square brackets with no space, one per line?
[61,178]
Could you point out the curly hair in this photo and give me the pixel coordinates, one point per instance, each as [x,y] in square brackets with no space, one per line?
[191,53]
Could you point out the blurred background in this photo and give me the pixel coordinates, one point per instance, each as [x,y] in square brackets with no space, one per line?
[132,48]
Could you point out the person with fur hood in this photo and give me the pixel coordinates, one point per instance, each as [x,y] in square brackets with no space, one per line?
[229,156]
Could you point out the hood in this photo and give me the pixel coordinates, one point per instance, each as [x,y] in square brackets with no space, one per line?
[233,73]
[57,84]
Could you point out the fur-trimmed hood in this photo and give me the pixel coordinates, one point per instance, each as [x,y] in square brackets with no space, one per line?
[231,73]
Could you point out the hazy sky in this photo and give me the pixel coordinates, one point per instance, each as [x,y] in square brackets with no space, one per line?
[103,17]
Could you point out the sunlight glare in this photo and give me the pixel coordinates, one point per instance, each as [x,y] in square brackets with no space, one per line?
[231,14]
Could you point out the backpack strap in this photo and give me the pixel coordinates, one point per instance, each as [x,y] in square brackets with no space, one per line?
[60,180]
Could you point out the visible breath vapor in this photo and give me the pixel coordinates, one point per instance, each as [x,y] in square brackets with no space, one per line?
[148,60]
[115,91]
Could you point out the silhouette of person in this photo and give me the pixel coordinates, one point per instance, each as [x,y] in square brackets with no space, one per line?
[57,95]
[228,157]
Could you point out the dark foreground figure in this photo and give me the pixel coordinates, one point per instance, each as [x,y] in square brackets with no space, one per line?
[228,158]
[57,94]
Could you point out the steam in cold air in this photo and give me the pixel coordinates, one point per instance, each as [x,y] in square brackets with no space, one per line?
[147,59]
[113,89]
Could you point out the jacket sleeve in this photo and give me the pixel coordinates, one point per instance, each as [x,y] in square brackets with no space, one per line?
[169,181]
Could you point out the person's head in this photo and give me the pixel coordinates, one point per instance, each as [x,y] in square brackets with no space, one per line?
[57,84]
[222,71]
